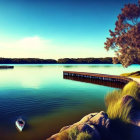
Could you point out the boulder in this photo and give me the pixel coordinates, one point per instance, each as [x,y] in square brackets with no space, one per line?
[96,124]
[134,113]
[126,99]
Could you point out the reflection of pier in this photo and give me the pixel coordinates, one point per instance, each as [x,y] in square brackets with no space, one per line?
[96,78]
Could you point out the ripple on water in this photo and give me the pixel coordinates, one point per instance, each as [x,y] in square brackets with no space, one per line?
[46,101]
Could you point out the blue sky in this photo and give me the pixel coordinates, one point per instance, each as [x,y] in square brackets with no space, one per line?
[57,28]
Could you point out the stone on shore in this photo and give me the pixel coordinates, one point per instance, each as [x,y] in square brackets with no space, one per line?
[95,124]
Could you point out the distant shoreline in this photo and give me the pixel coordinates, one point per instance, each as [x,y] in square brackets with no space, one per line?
[106,60]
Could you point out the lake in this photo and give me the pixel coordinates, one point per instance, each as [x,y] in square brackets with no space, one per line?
[46,101]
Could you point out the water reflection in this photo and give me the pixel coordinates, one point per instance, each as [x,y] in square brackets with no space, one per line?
[96,81]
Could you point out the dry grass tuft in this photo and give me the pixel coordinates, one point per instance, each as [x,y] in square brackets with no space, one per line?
[113,101]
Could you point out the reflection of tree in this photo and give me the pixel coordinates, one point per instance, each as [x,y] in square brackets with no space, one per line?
[103,66]
[69,66]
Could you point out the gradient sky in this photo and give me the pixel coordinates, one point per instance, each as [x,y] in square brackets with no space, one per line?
[57,28]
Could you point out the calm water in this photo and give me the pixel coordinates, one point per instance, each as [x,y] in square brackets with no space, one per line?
[40,95]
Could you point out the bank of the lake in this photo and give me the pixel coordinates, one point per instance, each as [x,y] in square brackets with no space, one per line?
[123,112]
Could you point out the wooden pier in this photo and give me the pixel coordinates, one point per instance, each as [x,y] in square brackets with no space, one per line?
[103,77]
[6,67]
[96,82]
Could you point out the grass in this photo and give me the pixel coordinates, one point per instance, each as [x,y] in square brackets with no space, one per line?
[68,135]
[132,89]
[117,110]
[133,74]
[73,133]
[113,101]
[84,136]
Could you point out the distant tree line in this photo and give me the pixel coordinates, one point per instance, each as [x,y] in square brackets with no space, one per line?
[107,60]
[26,61]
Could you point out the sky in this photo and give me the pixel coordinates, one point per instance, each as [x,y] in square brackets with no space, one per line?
[57,28]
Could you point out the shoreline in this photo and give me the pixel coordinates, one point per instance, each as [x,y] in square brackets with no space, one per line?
[98,126]
[105,60]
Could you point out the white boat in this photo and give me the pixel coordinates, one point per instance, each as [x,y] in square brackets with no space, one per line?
[20,123]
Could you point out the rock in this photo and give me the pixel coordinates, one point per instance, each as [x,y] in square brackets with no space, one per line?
[53,137]
[64,128]
[126,99]
[101,119]
[91,129]
[88,117]
[134,112]
[85,127]
[96,124]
